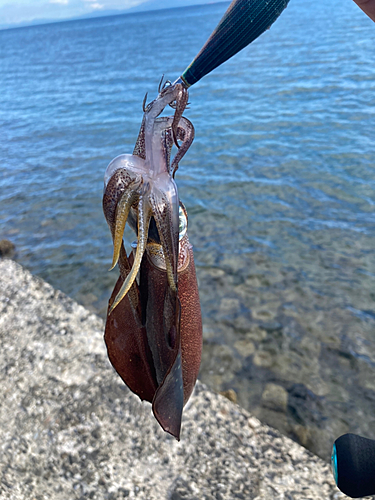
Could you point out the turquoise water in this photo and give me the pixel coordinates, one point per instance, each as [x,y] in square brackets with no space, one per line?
[279,186]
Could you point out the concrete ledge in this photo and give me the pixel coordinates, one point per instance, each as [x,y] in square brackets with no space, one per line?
[70,429]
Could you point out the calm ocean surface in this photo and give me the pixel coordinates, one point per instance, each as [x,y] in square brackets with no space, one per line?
[279,186]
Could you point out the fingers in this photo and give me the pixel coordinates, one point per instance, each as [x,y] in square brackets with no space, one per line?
[368,7]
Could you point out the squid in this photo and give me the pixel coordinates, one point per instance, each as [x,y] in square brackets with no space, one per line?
[153,330]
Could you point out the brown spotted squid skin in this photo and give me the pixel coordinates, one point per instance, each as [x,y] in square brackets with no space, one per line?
[153,330]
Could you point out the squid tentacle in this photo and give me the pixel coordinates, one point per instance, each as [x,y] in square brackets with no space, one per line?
[144,216]
[185,132]
[164,221]
[182,97]
[122,212]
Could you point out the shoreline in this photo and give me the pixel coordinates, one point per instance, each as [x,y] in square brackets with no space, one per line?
[71,429]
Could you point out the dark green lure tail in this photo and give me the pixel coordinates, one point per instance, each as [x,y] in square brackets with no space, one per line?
[242,23]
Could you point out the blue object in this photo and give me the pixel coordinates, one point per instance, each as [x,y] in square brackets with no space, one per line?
[334,463]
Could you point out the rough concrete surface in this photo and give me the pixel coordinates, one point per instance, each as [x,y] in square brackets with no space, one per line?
[70,429]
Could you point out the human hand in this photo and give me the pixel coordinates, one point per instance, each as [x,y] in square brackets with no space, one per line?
[368,7]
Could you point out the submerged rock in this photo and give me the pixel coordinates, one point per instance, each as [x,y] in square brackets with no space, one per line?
[7,249]
[275,397]
[230,394]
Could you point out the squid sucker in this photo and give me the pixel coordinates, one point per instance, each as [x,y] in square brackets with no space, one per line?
[153,330]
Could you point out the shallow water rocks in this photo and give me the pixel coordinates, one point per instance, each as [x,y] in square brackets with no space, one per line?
[245,347]
[7,248]
[230,394]
[69,428]
[275,397]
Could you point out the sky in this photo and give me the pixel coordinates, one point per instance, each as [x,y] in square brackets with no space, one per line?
[28,11]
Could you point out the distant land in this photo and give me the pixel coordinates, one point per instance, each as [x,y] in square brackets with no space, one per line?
[150,5]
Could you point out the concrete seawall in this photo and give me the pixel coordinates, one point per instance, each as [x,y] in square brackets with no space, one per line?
[70,429]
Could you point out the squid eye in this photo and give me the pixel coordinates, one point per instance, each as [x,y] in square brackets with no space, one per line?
[183,221]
